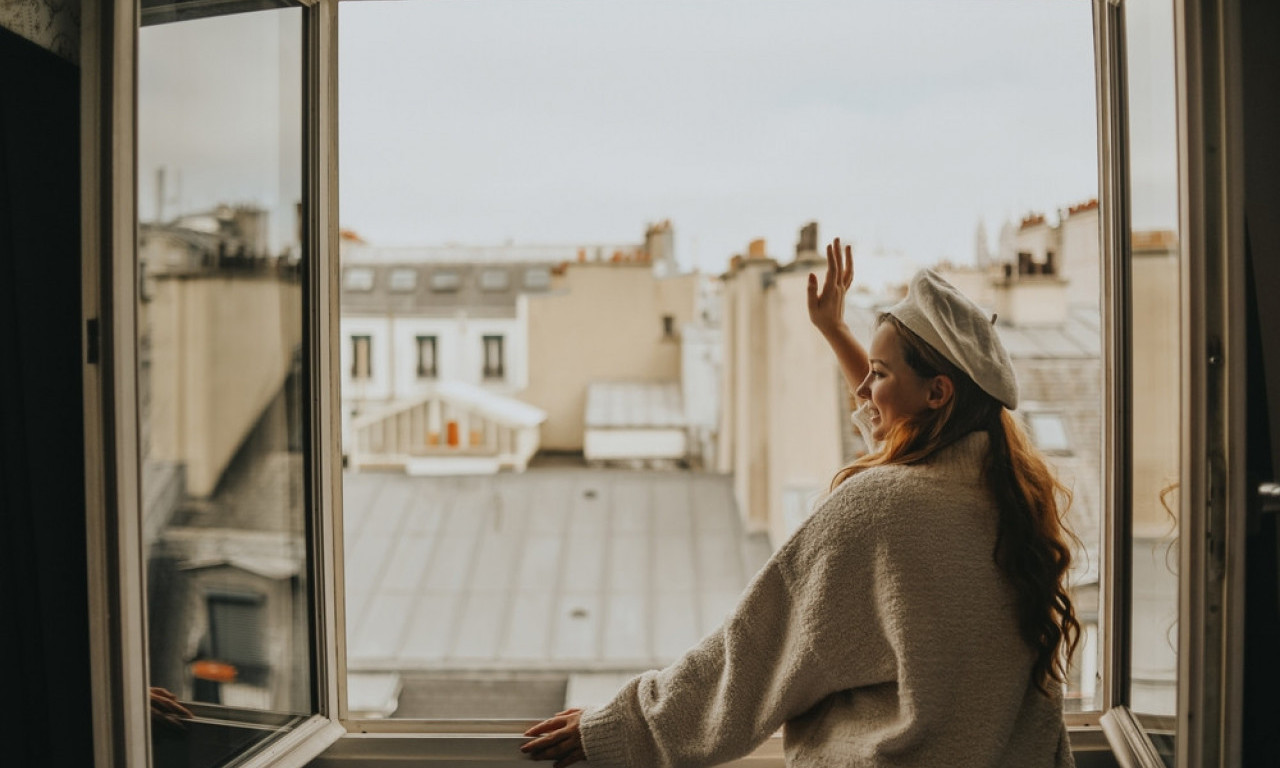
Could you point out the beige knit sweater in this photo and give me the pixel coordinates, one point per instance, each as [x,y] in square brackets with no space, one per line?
[880,634]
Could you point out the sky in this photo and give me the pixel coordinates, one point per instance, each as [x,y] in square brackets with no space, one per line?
[896,125]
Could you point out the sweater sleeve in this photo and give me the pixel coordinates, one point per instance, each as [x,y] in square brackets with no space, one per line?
[782,650]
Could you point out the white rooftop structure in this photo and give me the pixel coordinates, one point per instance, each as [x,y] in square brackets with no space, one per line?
[634,404]
[635,423]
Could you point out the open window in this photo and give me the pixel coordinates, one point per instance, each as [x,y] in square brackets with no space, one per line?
[616,442]
[231,574]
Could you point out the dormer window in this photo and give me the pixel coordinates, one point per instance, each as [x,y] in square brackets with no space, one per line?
[445,281]
[403,280]
[357,279]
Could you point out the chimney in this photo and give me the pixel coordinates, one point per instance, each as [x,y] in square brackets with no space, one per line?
[1039,302]
[756,249]
[807,246]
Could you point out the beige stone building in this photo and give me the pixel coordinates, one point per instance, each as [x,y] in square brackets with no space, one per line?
[782,396]
[612,320]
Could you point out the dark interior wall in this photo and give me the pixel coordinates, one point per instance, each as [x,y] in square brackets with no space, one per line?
[1260,59]
[43,589]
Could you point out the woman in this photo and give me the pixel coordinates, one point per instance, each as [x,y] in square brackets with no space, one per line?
[919,617]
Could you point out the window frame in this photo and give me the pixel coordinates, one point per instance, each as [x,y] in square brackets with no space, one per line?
[116,584]
[1210,660]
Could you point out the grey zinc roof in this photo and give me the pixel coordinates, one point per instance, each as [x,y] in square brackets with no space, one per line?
[551,569]
[634,405]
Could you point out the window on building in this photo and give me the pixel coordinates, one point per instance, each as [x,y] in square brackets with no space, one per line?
[357,279]
[426,357]
[537,278]
[669,326]
[238,635]
[493,360]
[361,358]
[445,281]
[1048,431]
[403,280]
[493,279]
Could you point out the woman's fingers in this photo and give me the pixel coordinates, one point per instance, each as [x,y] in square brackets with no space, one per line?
[848,266]
[555,746]
[546,726]
[544,743]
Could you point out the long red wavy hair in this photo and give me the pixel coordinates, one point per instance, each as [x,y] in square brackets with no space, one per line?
[1032,544]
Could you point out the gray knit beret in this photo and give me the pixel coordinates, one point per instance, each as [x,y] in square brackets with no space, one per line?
[954,326]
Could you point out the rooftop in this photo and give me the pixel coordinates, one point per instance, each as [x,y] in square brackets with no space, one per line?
[549,570]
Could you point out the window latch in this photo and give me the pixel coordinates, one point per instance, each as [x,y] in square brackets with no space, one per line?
[1269,495]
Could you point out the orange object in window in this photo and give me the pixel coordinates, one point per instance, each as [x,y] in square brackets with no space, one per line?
[477,437]
[453,434]
[433,438]
[213,671]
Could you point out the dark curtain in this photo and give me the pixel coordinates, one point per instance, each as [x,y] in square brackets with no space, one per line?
[44,661]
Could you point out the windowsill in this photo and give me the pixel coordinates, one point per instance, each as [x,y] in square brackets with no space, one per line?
[494,748]
[397,742]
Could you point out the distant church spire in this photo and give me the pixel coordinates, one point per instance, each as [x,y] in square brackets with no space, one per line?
[981,246]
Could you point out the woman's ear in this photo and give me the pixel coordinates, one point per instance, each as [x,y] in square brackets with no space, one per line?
[941,390]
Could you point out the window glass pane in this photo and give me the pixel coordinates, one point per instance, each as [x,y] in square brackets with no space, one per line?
[1156,365]
[599,470]
[220,324]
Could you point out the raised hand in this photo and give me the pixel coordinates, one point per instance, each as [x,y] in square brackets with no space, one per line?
[826,307]
[558,738]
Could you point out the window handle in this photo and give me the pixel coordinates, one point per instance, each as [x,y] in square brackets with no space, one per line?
[1269,494]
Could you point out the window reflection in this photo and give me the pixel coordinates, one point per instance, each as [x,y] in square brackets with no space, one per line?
[220,378]
[1156,356]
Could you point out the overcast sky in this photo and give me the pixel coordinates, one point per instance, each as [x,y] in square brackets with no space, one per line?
[897,124]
